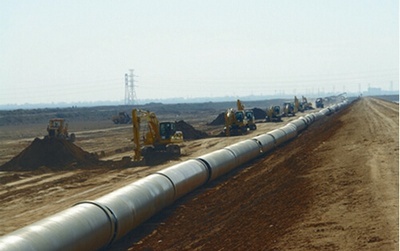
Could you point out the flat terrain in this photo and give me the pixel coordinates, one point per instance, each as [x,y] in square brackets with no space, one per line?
[334,187]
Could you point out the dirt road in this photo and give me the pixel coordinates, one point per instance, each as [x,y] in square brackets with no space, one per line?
[335,187]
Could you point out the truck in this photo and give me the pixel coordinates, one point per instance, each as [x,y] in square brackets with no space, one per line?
[121,118]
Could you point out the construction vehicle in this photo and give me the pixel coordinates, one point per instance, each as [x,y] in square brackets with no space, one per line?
[251,120]
[249,114]
[235,122]
[274,114]
[297,105]
[121,118]
[58,128]
[288,109]
[319,103]
[306,105]
[159,140]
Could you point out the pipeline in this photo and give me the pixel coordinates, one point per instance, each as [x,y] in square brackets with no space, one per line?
[92,225]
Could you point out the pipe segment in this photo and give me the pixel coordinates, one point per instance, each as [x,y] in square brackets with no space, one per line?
[138,201]
[310,117]
[326,111]
[290,131]
[267,142]
[318,116]
[279,136]
[85,226]
[186,176]
[219,162]
[245,151]
[306,120]
[300,124]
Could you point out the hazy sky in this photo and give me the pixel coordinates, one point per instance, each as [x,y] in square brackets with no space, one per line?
[68,51]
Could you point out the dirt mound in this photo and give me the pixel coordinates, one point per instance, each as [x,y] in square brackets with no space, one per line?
[259,113]
[219,120]
[52,153]
[189,132]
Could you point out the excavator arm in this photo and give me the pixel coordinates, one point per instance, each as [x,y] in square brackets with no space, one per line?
[153,134]
[239,105]
[136,133]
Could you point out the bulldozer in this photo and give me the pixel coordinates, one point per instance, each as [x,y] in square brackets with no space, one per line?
[274,114]
[159,140]
[121,118]
[249,114]
[58,128]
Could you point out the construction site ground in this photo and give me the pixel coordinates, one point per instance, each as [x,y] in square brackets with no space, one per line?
[334,187]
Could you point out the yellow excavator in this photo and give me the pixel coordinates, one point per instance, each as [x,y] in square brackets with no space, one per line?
[235,122]
[249,114]
[274,114]
[297,105]
[306,105]
[159,140]
[288,109]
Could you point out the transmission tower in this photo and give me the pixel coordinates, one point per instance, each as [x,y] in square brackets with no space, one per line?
[130,94]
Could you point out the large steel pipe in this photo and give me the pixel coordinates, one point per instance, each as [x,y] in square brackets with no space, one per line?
[300,124]
[138,201]
[326,111]
[219,162]
[245,150]
[267,142]
[290,131]
[279,136]
[318,115]
[85,226]
[306,120]
[187,176]
[310,117]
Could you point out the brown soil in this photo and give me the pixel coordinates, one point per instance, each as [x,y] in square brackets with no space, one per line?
[335,187]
